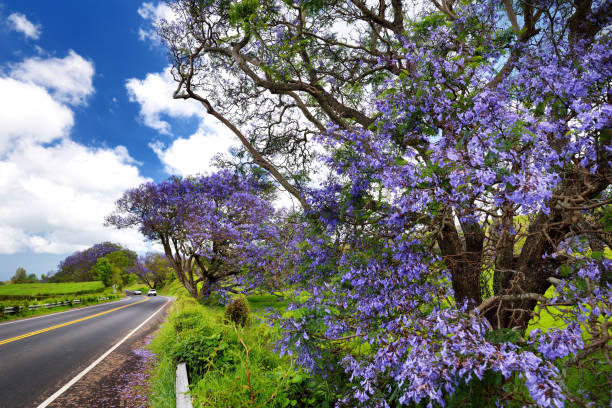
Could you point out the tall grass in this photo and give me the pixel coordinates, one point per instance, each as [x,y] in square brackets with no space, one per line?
[228,365]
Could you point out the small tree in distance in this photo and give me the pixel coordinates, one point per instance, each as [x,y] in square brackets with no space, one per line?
[154,269]
[21,276]
[106,272]
[212,228]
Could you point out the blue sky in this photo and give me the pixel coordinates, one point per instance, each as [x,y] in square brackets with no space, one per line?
[85,113]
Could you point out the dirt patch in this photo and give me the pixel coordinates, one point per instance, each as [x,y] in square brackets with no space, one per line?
[120,379]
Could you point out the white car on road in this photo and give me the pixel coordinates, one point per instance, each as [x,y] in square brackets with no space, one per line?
[152,292]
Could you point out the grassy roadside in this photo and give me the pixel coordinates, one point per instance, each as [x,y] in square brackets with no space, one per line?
[228,365]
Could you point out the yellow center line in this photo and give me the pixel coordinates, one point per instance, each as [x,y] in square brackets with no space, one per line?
[34,333]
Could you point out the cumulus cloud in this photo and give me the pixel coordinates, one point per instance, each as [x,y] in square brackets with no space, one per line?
[19,22]
[193,155]
[68,188]
[29,114]
[184,155]
[154,95]
[54,192]
[153,14]
[70,79]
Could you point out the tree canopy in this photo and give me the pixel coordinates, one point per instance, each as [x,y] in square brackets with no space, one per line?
[21,276]
[211,227]
[470,195]
[154,269]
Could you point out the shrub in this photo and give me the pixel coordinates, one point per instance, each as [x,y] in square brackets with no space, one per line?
[238,311]
[186,320]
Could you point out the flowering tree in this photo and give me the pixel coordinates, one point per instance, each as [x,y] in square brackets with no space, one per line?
[211,227]
[154,269]
[77,266]
[471,144]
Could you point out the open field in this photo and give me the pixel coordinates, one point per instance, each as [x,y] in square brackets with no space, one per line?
[34,289]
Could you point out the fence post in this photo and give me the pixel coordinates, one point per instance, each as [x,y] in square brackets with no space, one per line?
[183,399]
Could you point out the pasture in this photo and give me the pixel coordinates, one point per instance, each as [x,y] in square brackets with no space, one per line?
[48,289]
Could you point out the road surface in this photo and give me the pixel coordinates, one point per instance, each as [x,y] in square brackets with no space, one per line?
[40,355]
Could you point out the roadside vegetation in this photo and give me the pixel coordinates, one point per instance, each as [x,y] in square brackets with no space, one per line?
[95,275]
[229,364]
[57,304]
[451,166]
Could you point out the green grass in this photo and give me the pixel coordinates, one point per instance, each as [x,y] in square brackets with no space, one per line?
[33,289]
[86,300]
[173,289]
[216,355]
[137,286]
[260,304]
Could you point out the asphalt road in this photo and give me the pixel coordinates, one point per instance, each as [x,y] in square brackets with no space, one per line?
[39,355]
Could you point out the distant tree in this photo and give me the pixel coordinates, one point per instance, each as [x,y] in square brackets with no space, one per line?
[77,267]
[21,276]
[212,228]
[154,269]
[123,261]
[106,272]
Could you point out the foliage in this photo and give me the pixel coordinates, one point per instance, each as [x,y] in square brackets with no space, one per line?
[105,272]
[154,269]
[78,266]
[237,311]
[21,276]
[212,228]
[122,261]
[220,371]
[470,155]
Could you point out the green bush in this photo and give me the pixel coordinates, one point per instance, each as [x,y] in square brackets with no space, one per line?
[228,365]
[186,320]
[238,311]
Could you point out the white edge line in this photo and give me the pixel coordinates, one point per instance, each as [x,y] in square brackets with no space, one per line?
[80,375]
[27,319]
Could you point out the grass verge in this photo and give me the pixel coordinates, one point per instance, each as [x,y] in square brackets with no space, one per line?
[228,365]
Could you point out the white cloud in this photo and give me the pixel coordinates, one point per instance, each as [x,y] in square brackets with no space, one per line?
[29,114]
[54,192]
[68,188]
[154,94]
[182,156]
[20,23]
[70,78]
[153,14]
[193,155]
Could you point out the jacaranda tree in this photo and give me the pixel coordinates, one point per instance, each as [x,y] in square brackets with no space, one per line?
[154,269]
[471,145]
[77,266]
[212,228]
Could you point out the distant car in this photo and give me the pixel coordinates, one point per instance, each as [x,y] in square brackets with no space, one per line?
[137,292]
[152,292]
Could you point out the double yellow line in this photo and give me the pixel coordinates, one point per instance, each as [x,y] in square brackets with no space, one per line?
[34,333]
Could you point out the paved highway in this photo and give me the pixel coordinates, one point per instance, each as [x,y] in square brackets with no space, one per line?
[39,355]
